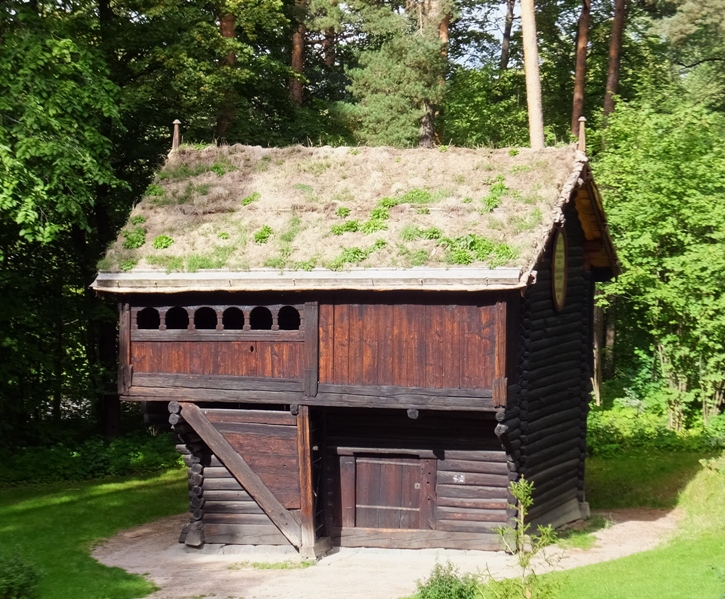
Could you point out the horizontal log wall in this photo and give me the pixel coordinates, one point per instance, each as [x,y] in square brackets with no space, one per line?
[408,342]
[546,425]
[221,510]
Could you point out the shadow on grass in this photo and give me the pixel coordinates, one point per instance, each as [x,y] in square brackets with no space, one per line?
[56,526]
[639,478]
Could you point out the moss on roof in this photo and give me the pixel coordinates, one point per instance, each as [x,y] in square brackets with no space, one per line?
[243,207]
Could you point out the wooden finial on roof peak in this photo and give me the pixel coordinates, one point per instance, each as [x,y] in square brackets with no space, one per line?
[582,145]
[176,138]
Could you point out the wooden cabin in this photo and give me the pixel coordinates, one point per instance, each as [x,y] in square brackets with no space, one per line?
[364,346]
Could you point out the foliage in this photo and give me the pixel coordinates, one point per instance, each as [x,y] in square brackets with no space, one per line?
[515,539]
[80,514]
[445,582]
[94,458]
[663,170]
[263,235]
[161,242]
[18,577]
[471,248]
[252,197]
[355,255]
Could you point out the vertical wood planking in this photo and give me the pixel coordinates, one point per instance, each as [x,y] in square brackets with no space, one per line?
[435,330]
[327,345]
[347,490]
[342,344]
[355,347]
[385,354]
[415,345]
[304,454]
[428,494]
[370,331]
[399,365]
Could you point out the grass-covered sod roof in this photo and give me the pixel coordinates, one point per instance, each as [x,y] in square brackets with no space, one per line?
[242,207]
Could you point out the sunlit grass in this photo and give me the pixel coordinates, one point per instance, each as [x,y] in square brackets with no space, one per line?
[57,525]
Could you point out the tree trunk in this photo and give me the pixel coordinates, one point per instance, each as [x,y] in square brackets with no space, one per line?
[426,134]
[328,46]
[434,17]
[531,68]
[615,55]
[298,53]
[227,109]
[580,73]
[506,41]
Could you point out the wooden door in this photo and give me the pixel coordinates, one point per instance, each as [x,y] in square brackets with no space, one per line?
[386,491]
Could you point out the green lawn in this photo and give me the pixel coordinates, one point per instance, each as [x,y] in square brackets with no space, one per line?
[639,478]
[56,525]
[693,569]
[691,566]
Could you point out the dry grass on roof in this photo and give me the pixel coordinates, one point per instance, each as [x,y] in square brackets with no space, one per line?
[242,207]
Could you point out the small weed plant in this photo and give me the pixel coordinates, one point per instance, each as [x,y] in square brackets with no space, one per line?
[445,582]
[516,540]
[263,235]
[18,578]
[162,242]
[355,255]
[252,197]
[134,238]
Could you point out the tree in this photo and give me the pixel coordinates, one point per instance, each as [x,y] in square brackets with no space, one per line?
[580,73]
[663,171]
[531,67]
[615,55]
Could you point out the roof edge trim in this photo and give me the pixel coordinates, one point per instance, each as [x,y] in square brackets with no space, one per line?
[370,279]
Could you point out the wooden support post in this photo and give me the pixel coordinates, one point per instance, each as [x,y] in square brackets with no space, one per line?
[239,468]
[124,349]
[307,500]
[500,381]
[176,140]
[312,349]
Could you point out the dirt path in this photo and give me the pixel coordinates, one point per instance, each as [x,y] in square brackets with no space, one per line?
[182,573]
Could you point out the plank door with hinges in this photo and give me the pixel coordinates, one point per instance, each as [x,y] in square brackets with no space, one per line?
[386,491]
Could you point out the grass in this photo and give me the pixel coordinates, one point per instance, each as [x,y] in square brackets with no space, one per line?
[689,566]
[56,526]
[639,478]
[583,538]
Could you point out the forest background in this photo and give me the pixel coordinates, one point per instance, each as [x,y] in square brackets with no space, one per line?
[89,89]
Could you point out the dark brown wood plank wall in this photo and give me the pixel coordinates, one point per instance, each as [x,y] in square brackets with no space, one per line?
[265,359]
[408,341]
[470,483]
[546,429]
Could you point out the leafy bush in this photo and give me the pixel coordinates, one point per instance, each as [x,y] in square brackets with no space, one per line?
[263,235]
[446,583]
[134,238]
[343,212]
[252,197]
[94,458]
[162,242]
[470,248]
[18,578]
[624,427]
[349,226]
